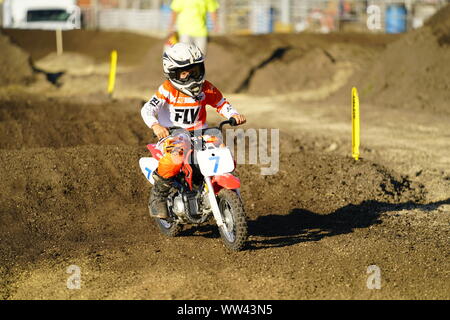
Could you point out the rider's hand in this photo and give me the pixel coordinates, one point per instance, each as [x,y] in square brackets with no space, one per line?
[240,119]
[160,131]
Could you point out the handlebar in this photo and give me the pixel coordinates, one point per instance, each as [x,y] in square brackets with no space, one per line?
[172,129]
[232,122]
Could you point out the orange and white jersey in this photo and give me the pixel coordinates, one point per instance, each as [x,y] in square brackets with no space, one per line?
[170,107]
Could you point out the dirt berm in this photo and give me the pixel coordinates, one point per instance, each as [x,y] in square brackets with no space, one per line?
[14,64]
[412,73]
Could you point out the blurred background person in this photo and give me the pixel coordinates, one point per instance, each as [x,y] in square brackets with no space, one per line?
[330,16]
[189,19]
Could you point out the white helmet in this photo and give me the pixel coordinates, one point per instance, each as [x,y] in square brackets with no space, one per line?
[181,57]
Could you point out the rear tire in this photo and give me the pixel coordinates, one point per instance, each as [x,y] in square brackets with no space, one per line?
[170,229]
[234,232]
[167,226]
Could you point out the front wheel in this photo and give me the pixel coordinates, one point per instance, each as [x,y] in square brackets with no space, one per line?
[234,229]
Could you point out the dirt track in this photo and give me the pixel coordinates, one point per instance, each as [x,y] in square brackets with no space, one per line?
[72,192]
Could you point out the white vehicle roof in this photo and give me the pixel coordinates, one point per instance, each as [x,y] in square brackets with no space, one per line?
[41,4]
[15,13]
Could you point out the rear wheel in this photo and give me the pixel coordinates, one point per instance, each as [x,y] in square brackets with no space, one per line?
[169,228]
[234,230]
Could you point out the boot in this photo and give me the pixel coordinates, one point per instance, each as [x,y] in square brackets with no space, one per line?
[158,197]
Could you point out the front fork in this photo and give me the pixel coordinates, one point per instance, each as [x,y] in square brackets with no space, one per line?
[213,202]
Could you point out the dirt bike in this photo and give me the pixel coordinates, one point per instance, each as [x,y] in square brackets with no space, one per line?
[205,186]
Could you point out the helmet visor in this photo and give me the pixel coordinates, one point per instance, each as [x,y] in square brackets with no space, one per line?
[193,72]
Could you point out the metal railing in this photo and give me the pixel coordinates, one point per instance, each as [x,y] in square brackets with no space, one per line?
[266,16]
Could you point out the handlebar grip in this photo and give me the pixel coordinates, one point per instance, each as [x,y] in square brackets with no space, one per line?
[233,122]
[171,129]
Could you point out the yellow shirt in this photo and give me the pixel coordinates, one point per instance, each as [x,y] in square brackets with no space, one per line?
[191,19]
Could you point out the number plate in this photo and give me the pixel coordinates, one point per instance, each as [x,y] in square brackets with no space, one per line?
[215,162]
[148,165]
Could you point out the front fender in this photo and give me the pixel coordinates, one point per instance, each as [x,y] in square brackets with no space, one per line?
[156,153]
[227,181]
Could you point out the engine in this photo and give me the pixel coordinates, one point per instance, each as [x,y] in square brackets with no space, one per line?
[187,207]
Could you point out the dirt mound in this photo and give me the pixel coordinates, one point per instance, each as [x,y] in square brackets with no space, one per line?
[71,63]
[131,47]
[413,71]
[53,194]
[324,183]
[47,192]
[261,65]
[55,123]
[84,64]
[440,25]
[14,64]
[281,64]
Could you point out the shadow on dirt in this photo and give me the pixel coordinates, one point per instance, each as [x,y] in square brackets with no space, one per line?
[302,225]
[52,77]
[208,231]
[276,55]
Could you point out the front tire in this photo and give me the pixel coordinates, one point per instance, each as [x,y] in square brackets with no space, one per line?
[234,231]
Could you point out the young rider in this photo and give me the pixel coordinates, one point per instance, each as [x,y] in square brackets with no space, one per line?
[180,101]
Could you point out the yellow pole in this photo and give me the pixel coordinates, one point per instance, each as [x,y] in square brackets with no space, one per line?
[112,73]
[355,124]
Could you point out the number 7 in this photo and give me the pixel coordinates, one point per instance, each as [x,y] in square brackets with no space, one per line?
[216,165]
[149,173]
